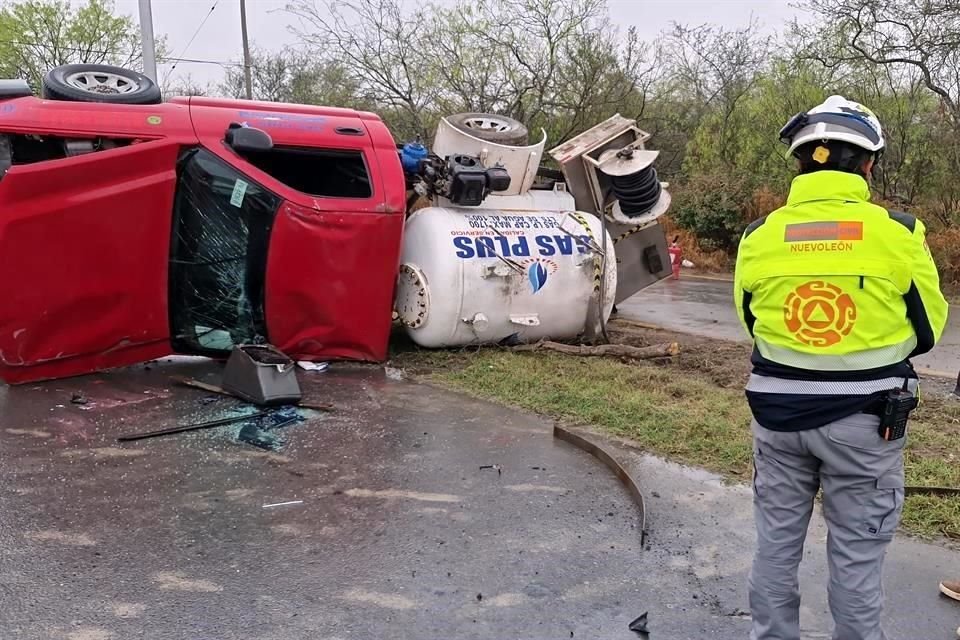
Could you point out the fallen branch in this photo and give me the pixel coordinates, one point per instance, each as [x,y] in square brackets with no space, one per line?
[618,350]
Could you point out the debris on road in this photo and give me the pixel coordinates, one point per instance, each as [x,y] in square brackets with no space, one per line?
[496,467]
[253,435]
[191,427]
[78,398]
[317,367]
[261,374]
[260,432]
[282,504]
[212,388]
[393,374]
[639,626]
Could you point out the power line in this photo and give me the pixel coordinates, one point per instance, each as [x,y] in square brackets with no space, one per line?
[195,61]
[192,38]
[103,52]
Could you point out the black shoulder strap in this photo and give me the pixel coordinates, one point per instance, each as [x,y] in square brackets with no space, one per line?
[753,226]
[907,220]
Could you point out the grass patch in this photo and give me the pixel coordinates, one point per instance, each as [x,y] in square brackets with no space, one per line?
[685,415]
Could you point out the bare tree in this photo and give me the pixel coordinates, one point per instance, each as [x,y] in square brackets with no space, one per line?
[384,48]
[558,64]
[294,75]
[922,34]
[185,86]
[711,70]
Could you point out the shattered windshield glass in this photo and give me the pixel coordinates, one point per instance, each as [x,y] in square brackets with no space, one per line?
[221,232]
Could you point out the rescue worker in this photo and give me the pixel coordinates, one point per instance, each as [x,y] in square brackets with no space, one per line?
[837,294]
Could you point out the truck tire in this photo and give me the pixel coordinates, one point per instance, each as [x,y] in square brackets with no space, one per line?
[492,128]
[99,83]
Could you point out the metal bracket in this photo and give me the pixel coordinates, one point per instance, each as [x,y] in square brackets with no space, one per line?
[527,320]
[590,242]
[510,263]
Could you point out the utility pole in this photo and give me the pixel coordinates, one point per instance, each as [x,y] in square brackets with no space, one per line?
[146,39]
[247,83]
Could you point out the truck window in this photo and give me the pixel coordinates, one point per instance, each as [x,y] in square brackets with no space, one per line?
[218,255]
[316,172]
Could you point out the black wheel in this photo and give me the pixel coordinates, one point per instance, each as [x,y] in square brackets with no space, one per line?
[492,128]
[99,83]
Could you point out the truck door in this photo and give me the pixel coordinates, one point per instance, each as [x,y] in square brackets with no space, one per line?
[84,243]
[221,233]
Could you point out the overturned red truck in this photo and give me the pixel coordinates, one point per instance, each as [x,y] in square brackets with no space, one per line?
[130,231]
[131,228]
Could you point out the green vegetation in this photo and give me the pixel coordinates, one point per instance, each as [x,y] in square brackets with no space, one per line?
[37,35]
[713,98]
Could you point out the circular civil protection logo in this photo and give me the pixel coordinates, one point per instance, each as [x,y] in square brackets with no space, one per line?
[819,314]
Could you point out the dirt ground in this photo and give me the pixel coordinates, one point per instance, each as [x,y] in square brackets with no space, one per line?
[726,364]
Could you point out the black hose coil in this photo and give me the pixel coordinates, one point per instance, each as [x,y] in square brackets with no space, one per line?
[638,192]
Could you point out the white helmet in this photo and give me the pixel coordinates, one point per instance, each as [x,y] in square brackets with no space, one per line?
[836,119]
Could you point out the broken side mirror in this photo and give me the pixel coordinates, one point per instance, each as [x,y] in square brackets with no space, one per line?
[244,139]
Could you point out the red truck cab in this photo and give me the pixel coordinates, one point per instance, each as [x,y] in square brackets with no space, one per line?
[129,232]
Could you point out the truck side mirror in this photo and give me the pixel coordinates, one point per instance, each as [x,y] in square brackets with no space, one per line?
[244,139]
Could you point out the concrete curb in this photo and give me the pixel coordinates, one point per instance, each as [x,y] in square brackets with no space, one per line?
[587,442]
[699,276]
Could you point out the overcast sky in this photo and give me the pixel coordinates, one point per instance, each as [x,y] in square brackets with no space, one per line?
[268,24]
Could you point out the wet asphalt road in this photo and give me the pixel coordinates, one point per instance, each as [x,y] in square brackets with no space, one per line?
[705,307]
[400,533]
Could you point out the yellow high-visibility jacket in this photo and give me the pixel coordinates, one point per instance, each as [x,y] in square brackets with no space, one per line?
[837,293]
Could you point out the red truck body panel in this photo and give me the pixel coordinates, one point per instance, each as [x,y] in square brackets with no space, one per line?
[85,241]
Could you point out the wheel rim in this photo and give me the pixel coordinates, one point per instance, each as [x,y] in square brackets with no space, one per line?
[102,82]
[488,124]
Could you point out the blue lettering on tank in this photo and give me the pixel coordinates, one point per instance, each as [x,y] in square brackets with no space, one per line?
[546,248]
[464,246]
[583,244]
[485,248]
[520,248]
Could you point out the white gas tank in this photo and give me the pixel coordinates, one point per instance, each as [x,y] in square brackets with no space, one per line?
[471,276]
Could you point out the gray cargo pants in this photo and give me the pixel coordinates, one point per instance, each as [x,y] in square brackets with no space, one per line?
[862,479]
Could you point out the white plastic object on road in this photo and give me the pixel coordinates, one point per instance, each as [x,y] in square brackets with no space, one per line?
[688,264]
[282,504]
[318,367]
[480,275]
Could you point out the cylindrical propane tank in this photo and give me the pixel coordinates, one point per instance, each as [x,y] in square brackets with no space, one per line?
[485,275]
